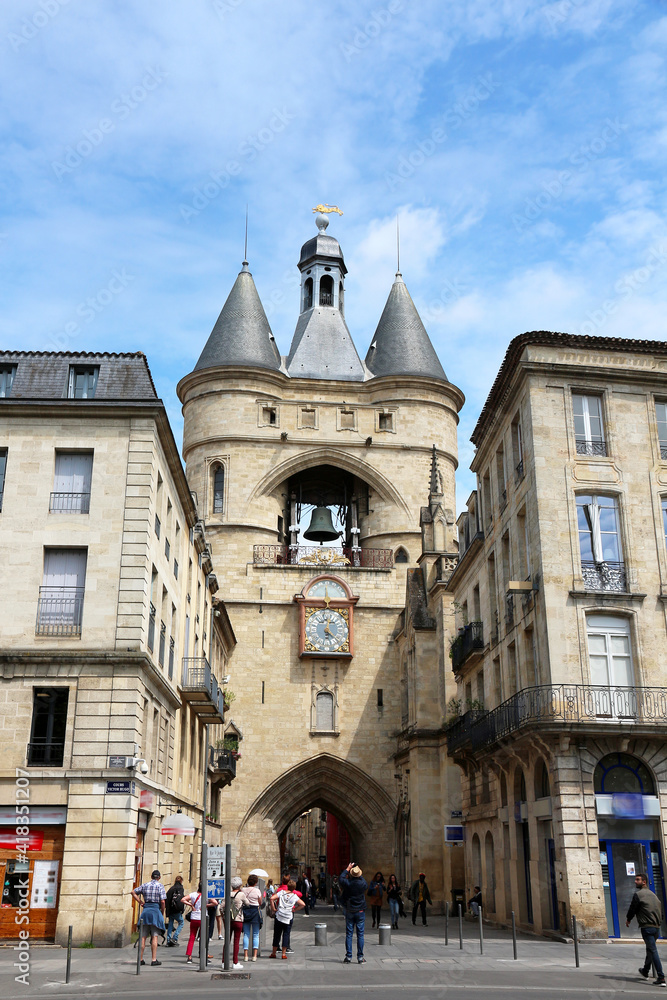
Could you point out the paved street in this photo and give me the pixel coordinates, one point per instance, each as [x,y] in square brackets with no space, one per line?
[416,964]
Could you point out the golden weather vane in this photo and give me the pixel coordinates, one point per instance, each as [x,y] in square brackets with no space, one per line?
[326,209]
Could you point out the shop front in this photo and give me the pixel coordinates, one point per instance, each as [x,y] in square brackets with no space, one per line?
[33,876]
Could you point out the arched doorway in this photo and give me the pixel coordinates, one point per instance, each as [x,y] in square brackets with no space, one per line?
[332,785]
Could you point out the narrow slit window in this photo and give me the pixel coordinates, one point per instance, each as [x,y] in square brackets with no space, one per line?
[218,490]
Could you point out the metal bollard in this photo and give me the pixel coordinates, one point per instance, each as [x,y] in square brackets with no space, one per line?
[460,928]
[447,922]
[139,949]
[385,934]
[514,936]
[69,954]
[576,941]
[481,932]
[321,935]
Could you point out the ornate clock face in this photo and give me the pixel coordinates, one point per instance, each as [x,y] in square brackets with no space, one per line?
[327,630]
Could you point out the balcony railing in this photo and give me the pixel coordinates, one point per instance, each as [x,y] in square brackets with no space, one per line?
[162,644]
[151,628]
[559,704]
[172,647]
[59,611]
[471,638]
[519,472]
[69,503]
[591,447]
[326,298]
[502,499]
[45,753]
[223,764]
[663,451]
[604,576]
[201,689]
[322,555]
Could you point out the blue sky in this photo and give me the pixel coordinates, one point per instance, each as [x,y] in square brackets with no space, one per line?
[522,143]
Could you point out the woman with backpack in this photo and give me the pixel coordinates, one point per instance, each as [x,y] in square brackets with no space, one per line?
[286,902]
[237,900]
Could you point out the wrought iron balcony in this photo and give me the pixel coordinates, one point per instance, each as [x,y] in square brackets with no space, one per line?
[162,644]
[322,555]
[551,706]
[502,500]
[151,628]
[45,753]
[59,611]
[519,472]
[663,451]
[200,689]
[585,447]
[69,503]
[223,764]
[469,640]
[604,576]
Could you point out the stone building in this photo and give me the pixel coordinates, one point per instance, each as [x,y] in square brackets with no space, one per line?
[558,725]
[112,645]
[320,446]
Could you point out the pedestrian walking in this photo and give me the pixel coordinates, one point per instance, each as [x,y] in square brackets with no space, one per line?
[237,900]
[252,917]
[211,912]
[475,902]
[645,906]
[375,896]
[394,899]
[151,921]
[354,900]
[284,882]
[335,892]
[420,896]
[286,902]
[193,900]
[175,911]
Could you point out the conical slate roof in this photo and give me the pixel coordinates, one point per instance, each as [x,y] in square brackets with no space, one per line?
[322,347]
[241,335]
[401,345]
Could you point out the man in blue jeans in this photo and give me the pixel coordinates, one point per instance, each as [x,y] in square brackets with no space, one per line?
[645,905]
[353,888]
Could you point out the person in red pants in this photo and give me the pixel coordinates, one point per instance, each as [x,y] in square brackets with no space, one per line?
[236,899]
[193,900]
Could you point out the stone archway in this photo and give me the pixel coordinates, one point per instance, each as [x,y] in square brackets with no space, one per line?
[327,782]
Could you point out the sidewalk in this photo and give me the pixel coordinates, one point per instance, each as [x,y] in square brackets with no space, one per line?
[417,958]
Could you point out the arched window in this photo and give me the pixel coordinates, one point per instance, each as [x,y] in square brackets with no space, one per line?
[476,860]
[542,784]
[341,298]
[621,772]
[218,489]
[324,711]
[326,290]
[308,294]
[401,556]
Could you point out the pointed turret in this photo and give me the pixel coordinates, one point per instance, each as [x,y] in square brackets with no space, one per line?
[241,335]
[401,345]
[322,345]
[436,491]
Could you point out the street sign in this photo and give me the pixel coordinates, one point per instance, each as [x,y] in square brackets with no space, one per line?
[215,864]
[117,762]
[457,814]
[120,787]
[216,888]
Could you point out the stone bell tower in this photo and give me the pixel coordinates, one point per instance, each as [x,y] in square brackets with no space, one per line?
[268,441]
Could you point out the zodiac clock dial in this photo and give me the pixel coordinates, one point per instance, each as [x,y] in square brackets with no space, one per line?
[327,630]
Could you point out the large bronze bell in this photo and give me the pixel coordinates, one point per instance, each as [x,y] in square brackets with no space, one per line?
[321,527]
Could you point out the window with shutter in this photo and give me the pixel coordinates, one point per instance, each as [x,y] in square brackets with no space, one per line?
[71,484]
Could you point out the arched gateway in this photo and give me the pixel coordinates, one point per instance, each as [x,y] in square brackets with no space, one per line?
[310,472]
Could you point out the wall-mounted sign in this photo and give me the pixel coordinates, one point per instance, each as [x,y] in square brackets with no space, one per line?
[453,834]
[457,814]
[10,841]
[147,800]
[117,762]
[120,788]
[47,815]
[44,885]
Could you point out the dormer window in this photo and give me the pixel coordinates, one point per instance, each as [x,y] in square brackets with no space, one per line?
[326,290]
[82,382]
[7,373]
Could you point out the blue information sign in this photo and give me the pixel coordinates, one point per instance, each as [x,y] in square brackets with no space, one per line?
[216,889]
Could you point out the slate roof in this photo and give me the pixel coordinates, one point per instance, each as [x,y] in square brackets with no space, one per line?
[321,246]
[401,345]
[242,335]
[322,347]
[45,375]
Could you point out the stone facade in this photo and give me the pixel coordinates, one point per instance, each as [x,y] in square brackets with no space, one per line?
[116,648]
[559,595]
